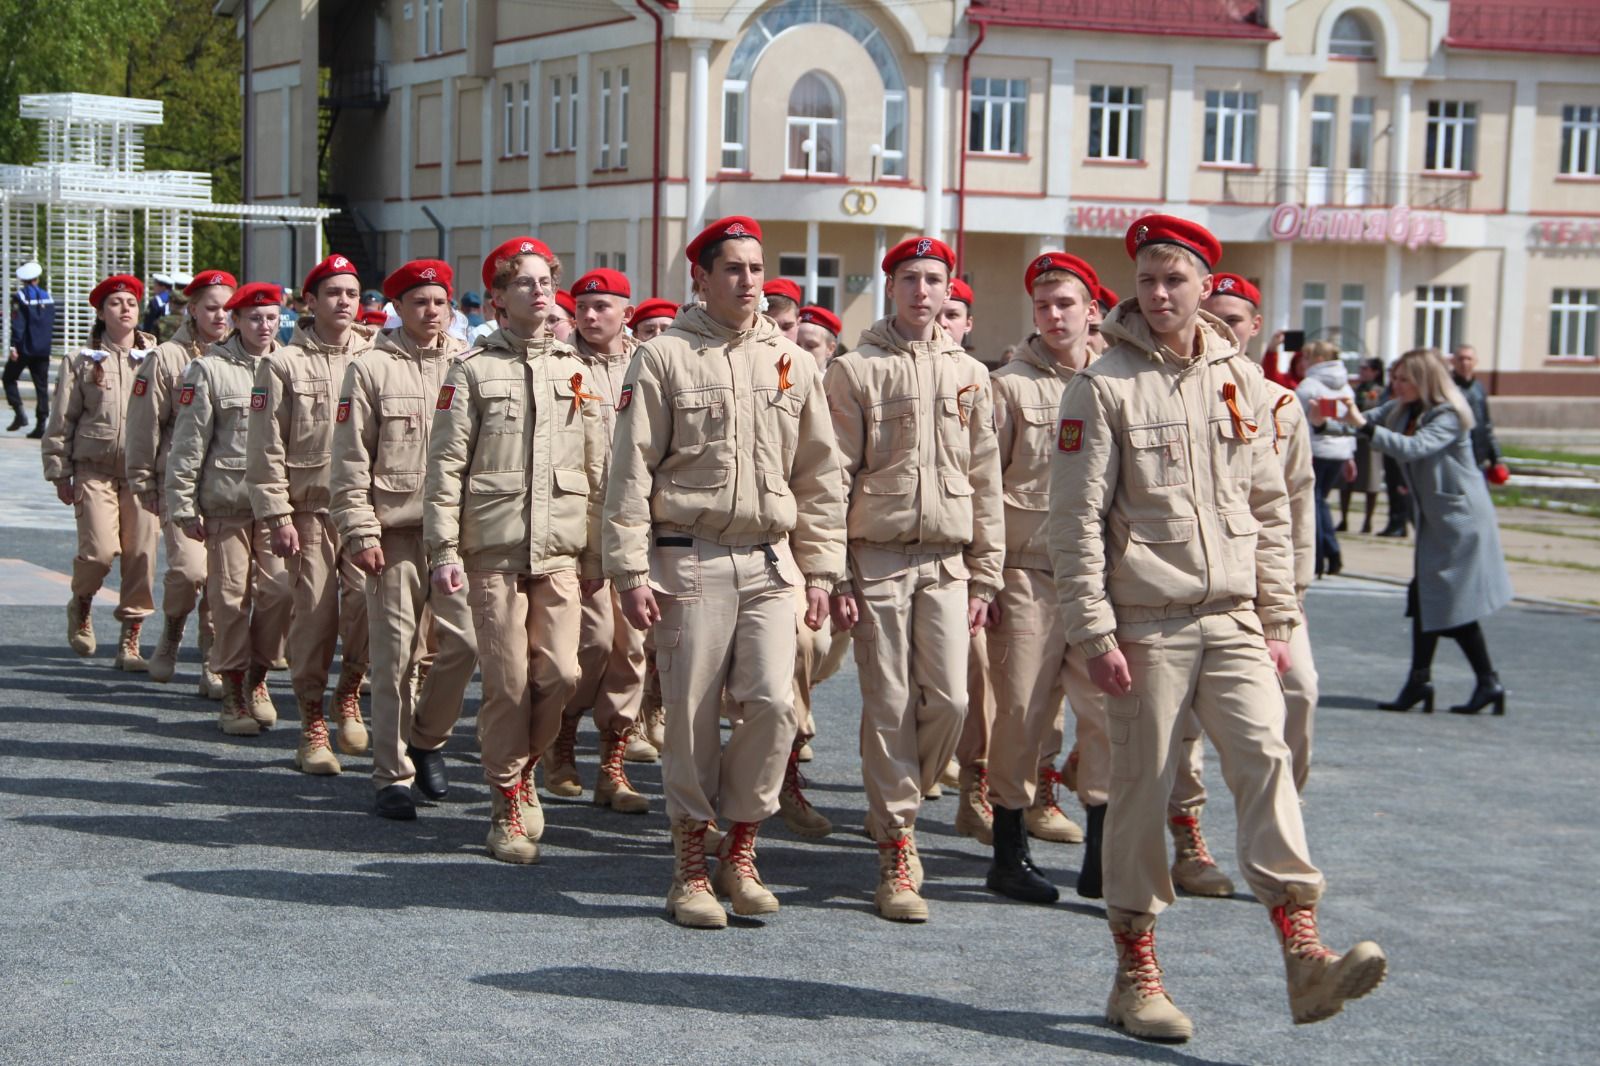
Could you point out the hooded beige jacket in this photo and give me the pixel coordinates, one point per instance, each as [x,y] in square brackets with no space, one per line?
[87,430]
[205,474]
[154,408]
[1027,402]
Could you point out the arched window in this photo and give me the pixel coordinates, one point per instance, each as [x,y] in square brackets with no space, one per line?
[1352,38]
[815,137]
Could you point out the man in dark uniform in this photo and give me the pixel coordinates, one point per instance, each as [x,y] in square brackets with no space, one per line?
[33,320]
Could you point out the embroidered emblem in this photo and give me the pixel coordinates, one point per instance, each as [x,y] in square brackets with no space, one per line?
[217,279]
[429,274]
[341,262]
[526,249]
[625,398]
[186,397]
[593,286]
[924,246]
[258,399]
[1070,438]
[1044,263]
[140,387]
[447,396]
[343,414]
[1140,234]
[1225,285]
[735,230]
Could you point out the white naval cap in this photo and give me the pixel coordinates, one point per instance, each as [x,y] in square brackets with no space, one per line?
[162,279]
[181,281]
[29,271]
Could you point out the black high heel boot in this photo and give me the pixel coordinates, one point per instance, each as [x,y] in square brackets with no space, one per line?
[1418,689]
[1488,690]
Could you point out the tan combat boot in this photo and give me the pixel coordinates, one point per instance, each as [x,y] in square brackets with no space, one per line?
[561,761]
[210,686]
[737,877]
[806,754]
[508,838]
[347,706]
[314,754]
[974,816]
[1320,981]
[130,659]
[260,700]
[1193,868]
[1069,771]
[80,625]
[1045,819]
[235,718]
[802,819]
[532,809]
[612,788]
[637,748]
[690,900]
[1139,1002]
[897,897]
[654,720]
[164,663]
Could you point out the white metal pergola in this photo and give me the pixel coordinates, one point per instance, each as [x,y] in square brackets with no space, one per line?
[75,209]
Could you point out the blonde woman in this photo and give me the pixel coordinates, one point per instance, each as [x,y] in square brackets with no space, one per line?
[1460,571]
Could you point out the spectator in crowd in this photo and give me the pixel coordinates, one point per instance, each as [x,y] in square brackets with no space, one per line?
[1326,394]
[1460,570]
[159,303]
[1369,468]
[294,306]
[472,307]
[33,321]
[1464,368]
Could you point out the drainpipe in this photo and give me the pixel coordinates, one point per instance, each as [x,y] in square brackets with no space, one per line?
[966,116]
[655,150]
[248,161]
[444,250]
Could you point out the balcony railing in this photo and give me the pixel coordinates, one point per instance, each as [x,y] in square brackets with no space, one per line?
[356,87]
[1348,188]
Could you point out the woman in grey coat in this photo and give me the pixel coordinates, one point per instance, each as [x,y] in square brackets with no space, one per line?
[1460,571]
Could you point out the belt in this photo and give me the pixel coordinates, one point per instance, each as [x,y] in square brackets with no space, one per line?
[688,542]
[1126,614]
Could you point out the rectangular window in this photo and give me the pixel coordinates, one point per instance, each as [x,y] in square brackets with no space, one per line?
[999,116]
[1231,127]
[1116,122]
[1352,317]
[1580,141]
[526,132]
[1574,322]
[556,113]
[1452,136]
[1313,309]
[1441,311]
[793,268]
[622,118]
[1324,113]
[514,119]
[572,113]
[429,30]
[733,112]
[605,120]
[1361,113]
[894,134]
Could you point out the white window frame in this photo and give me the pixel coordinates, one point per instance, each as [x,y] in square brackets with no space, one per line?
[1364,46]
[1451,146]
[827,294]
[814,126]
[1003,103]
[1580,140]
[1352,316]
[1575,323]
[894,153]
[1313,308]
[1324,126]
[430,28]
[556,100]
[1232,126]
[572,123]
[622,119]
[604,147]
[1120,107]
[514,119]
[1363,113]
[734,141]
[1441,314]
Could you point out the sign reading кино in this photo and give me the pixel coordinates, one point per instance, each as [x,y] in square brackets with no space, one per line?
[1376,225]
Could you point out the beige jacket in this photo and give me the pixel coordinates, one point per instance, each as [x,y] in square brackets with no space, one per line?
[154,408]
[1027,403]
[291,422]
[606,376]
[1163,502]
[516,461]
[380,436]
[1291,442]
[724,435]
[205,474]
[915,425]
[87,430]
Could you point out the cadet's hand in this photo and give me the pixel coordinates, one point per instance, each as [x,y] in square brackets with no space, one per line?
[64,491]
[1109,672]
[369,560]
[11,355]
[449,579]
[978,614]
[590,586]
[1279,651]
[639,607]
[285,541]
[846,613]
[195,529]
[816,608]
[151,502]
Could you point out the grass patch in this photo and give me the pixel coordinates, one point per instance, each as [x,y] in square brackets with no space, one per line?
[1549,531]
[1561,564]
[1518,451]
[1511,496]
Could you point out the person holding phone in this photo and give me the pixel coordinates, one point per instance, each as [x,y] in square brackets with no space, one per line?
[1326,395]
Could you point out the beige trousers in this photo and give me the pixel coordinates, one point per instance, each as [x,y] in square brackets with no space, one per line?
[1218,665]
[977,728]
[248,589]
[1032,669]
[110,524]
[527,631]
[727,624]
[330,606]
[185,579]
[1300,703]
[912,647]
[611,665]
[401,609]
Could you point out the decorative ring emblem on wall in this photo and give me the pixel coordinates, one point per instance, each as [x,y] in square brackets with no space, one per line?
[859,202]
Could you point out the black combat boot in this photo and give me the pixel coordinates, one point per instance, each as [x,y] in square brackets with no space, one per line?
[1094,833]
[1012,873]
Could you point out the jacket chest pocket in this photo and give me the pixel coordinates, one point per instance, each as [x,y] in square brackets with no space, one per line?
[1233,445]
[779,413]
[309,413]
[99,417]
[1160,455]
[501,406]
[400,443]
[1038,437]
[700,416]
[955,415]
[232,427]
[893,428]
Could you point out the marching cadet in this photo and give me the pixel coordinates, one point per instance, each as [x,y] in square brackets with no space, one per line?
[725,496]
[516,465]
[1105,300]
[913,417]
[1169,534]
[651,317]
[291,446]
[611,658]
[818,333]
[380,446]
[1032,663]
[563,317]
[84,453]
[783,305]
[151,414]
[207,497]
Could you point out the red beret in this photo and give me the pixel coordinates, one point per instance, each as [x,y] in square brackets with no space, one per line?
[417,273]
[1061,261]
[960,290]
[373,317]
[255,294]
[116,283]
[1107,298]
[821,316]
[333,265]
[565,301]
[510,250]
[1170,229]
[919,248]
[655,307]
[603,282]
[721,230]
[785,288]
[1234,285]
[207,278]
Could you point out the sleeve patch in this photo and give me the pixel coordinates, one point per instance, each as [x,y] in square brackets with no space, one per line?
[258,399]
[447,396]
[343,414]
[140,386]
[186,397]
[625,397]
[1071,437]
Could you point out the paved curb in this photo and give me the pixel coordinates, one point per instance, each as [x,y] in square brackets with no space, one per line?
[1526,601]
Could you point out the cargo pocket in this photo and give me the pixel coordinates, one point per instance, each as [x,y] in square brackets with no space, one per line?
[700,416]
[569,504]
[675,570]
[1243,534]
[1160,455]
[892,428]
[864,641]
[501,406]
[1233,449]
[1122,721]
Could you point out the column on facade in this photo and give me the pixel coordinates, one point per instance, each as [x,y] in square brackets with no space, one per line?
[1062,140]
[1180,125]
[1391,302]
[880,248]
[408,160]
[699,118]
[1287,187]
[447,140]
[813,249]
[1281,298]
[581,166]
[936,110]
[1400,142]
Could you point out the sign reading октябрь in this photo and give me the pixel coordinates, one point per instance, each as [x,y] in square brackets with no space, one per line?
[1378,225]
